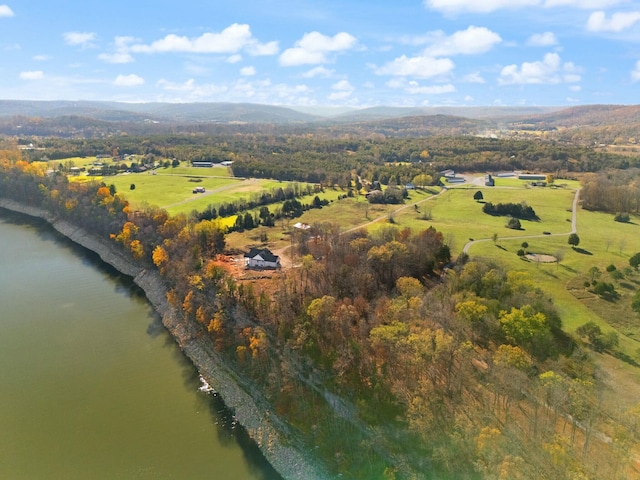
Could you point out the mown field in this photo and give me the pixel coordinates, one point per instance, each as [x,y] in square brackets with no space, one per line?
[454,212]
[603,242]
[172,188]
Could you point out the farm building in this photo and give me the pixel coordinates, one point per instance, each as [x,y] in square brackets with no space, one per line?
[261,258]
[531,176]
[454,179]
[202,163]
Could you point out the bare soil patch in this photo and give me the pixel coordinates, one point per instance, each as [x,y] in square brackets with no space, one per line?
[541,257]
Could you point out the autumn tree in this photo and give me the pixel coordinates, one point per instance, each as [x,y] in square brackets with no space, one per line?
[527,328]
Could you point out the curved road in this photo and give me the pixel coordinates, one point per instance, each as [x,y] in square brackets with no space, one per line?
[387,215]
[574,228]
[574,223]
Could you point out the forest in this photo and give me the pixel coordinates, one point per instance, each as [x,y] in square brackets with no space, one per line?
[387,356]
[319,158]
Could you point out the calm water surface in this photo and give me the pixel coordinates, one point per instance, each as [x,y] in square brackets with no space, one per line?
[91,385]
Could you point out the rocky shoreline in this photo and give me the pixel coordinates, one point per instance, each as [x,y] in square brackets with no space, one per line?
[271,434]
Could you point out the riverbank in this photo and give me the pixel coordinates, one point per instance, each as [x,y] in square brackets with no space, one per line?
[250,409]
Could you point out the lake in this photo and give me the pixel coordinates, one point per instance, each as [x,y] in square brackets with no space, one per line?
[91,384]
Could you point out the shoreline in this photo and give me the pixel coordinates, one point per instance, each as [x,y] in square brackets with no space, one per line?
[269,432]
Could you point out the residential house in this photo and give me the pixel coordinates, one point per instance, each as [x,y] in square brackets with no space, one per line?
[261,258]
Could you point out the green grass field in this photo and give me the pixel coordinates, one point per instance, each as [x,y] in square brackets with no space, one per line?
[172,189]
[457,215]
[603,242]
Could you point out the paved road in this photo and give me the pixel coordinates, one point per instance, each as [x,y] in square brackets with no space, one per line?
[574,228]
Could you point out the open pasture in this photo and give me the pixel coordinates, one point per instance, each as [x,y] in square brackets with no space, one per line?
[454,212]
[172,190]
[168,190]
[459,216]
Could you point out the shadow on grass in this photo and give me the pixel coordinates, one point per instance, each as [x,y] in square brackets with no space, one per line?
[501,247]
[627,286]
[582,251]
[569,269]
[626,358]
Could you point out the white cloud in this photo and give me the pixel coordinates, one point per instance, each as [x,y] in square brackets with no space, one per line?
[82,39]
[472,41]
[549,70]
[635,74]
[232,39]
[41,58]
[419,67]
[319,71]
[415,89]
[343,85]
[262,49]
[312,48]
[5,11]
[338,95]
[132,80]
[258,91]
[487,6]
[234,58]
[32,75]
[187,86]
[247,71]
[598,21]
[121,57]
[474,77]
[299,56]
[546,39]
[484,6]
[121,54]
[317,42]
[396,83]
[583,4]
[341,90]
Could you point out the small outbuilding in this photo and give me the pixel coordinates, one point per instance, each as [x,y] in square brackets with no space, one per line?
[301,226]
[261,258]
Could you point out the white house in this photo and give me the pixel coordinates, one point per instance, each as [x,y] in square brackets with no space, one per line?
[261,258]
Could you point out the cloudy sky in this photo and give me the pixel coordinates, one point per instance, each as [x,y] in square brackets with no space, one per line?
[323,52]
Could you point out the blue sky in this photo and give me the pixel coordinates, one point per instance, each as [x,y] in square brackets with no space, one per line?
[332,52]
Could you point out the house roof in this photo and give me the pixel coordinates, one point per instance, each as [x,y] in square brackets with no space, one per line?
[263,253]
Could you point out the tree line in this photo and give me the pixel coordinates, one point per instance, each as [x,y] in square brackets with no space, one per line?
[318,157]
[515,210]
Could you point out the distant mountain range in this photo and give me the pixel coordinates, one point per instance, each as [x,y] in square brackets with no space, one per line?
[71,118]
[156,112]
[244,112]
